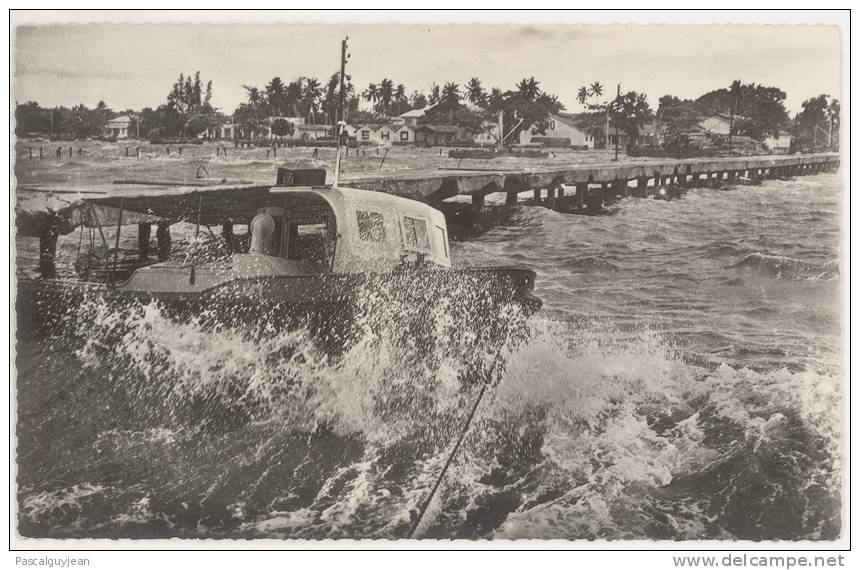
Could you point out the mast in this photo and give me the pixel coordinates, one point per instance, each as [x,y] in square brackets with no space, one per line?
[339,123]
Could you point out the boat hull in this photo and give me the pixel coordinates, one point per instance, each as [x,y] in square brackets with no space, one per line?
[326,301]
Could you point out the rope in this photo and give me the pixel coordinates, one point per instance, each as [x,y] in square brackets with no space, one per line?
[453,453]
[463,432]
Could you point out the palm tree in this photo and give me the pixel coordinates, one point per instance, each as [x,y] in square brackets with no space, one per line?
[495,100]
[451,93]
[371,94]
[529,89]
[275,92]
[254,95]
[582,95]
[400,97]
[596,89]
[294,95]
[475,92]
[386,95]
[310,97]
[435,94]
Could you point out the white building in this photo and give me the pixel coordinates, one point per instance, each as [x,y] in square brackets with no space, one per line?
[118,128]
[779,143]
[560,127]
[412,117]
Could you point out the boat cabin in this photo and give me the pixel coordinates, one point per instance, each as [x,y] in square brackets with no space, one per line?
[291,230]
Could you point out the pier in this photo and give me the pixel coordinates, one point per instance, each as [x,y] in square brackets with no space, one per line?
[593,182]
[45,212]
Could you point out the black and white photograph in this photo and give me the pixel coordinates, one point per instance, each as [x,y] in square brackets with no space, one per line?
[413,278]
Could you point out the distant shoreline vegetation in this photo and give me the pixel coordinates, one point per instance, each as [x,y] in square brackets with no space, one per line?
[748,113]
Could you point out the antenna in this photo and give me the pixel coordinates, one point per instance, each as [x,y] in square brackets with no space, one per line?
[340,123]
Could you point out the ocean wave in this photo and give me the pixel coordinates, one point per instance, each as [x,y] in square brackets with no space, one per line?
[783,267]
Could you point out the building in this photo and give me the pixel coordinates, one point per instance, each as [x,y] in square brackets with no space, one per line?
[406,134]
[377,133]
[489,135]
[561,127]
[415,115]
[432,135]
[780,143]
[716,125]
[118,128]
[227,131]
[312,132]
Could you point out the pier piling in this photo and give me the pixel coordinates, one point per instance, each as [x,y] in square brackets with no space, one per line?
[144,230]
[48,252]
[162,234]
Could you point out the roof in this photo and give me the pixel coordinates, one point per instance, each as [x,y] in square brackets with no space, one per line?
[314,127]
[440,128]
[125,119]
[377,126]
[417,113]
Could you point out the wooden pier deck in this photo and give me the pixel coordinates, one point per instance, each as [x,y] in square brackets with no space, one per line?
[436,185]
[46,211]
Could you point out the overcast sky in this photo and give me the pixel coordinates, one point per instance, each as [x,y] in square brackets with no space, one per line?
[133,66]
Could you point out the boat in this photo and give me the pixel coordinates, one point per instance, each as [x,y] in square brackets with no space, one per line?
[310,249]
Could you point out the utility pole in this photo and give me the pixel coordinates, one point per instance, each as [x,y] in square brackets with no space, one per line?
[340,122]
[617,97]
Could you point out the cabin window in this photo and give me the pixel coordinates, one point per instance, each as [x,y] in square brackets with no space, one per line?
[404,135]
[365,135]
[313,242]
[552,125]
[371,226]
[415,234]
[440,231]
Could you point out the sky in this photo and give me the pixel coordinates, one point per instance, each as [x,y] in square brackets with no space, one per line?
[134,65]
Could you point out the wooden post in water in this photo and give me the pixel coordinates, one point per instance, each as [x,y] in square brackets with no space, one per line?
[40,152]
[138,152]
[162,233]
[227,233]
[478,202]
[581,189]
[30,150]
[48,252]
[537,195]
[144,230]
[510,198]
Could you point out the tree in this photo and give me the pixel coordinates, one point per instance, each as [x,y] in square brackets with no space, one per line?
[525,108]
[817,125]
[418,100]
[450,95]
[528,88]
[282,128]
[371,94]
[496,100]
[386,96]
[757,111]
[629,112]
[276,94]
[475,92]
[590,98]
[81,122]
[400,101]
[435,94]
[676,118]
[31,118]
[458,115]
[310,97]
